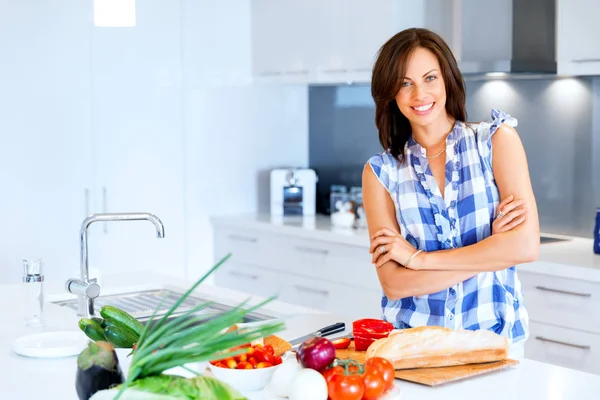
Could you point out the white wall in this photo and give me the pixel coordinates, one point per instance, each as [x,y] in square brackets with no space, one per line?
[187,66]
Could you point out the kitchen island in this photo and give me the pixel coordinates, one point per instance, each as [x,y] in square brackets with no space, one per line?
[34,378]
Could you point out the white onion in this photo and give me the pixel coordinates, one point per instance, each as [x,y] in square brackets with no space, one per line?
[308,385]
[283,377]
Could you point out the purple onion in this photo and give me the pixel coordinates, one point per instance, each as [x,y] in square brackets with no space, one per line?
[317,353]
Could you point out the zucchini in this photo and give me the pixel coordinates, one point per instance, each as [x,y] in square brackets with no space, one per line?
[119,317]
[120,336]
[92,329]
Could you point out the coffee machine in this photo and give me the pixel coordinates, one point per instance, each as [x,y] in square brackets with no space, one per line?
[293,191]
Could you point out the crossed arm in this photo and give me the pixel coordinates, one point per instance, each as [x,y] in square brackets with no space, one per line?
[431,272]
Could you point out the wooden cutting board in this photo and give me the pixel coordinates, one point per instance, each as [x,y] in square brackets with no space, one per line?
[434,376]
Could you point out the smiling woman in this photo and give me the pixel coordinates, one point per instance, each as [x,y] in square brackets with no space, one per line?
[444,245]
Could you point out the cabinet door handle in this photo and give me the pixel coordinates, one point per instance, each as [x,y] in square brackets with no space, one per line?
[241,238]
[334,71]
[578,346]
[86,195]
[312,290]
[297,72]
[586,60]
[312,250]
[243,275]
[563,291]
[104,208]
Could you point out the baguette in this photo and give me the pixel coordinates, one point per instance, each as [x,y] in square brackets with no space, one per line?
[434,346]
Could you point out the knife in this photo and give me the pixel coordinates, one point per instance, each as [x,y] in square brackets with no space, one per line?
[326,331]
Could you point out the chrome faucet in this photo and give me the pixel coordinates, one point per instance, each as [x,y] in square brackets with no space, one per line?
[88,289]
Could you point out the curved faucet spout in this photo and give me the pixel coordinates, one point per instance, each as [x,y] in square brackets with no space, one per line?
[86,306]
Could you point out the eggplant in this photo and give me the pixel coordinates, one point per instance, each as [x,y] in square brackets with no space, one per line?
[98,368]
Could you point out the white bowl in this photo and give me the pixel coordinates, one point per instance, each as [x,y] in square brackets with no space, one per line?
[244,379]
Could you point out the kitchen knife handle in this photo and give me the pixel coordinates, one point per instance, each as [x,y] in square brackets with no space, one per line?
[331,329]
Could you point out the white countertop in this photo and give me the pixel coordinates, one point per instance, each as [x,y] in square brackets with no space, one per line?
[29,378]
[571,259]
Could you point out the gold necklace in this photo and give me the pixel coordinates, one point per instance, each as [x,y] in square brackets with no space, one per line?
[435,156]
[431,157]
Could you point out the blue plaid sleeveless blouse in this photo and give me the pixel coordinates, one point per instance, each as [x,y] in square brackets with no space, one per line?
[489,300]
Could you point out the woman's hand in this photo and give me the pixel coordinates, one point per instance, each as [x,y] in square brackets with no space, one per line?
[387,245]
[510,215]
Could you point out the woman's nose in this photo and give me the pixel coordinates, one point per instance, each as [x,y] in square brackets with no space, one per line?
[418,92]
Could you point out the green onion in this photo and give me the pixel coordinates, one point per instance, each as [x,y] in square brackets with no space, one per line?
[164,345]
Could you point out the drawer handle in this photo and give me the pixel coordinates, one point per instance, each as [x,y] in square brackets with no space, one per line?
[241,238]
[243,275]
[578,346]
[563,291]
[312,250]
[312,290]
[586,60]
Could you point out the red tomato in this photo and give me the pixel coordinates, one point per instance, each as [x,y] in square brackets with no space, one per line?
[330,372]
[346,387]
[385,368]
[374,384]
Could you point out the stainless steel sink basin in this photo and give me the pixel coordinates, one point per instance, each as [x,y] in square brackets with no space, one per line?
[142,304]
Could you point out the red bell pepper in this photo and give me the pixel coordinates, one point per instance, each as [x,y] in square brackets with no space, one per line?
[368,330]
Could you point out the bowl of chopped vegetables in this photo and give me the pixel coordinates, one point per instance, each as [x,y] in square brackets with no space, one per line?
[251,370]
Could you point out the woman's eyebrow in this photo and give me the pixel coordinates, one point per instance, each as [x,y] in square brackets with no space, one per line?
[424,75]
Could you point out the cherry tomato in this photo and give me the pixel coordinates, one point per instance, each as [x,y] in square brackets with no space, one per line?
[346,387]
[277,360]
[341,343]
[374,384]
[264,364]
[269,349]
[385,368]
[244,365]
[231,363]
[330,372]
[253,361]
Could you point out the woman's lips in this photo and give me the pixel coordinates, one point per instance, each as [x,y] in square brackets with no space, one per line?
[423,109]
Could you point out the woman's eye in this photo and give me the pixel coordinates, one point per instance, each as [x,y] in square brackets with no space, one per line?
[431,78]
[404,84]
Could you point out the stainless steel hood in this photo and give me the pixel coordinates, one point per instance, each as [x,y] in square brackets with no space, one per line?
[507,36]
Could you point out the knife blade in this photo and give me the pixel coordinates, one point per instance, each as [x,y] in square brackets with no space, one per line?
[326,331]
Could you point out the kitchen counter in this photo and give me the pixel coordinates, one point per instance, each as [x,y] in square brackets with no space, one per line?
[573,258]
[29,378]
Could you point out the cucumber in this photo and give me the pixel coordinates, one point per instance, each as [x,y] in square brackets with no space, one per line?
[119,317]
[92,329]
[120,337]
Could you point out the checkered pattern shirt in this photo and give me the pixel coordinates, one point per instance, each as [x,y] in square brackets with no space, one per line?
[464,216]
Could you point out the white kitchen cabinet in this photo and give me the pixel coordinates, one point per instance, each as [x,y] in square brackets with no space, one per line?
[138,167]
[325,42]
[313,273]
[562,346]
[45,163]
[45,171]
[577,32]
[283,39]
[560,301]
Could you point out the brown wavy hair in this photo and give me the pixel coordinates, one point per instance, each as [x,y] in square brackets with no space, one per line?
[389,72]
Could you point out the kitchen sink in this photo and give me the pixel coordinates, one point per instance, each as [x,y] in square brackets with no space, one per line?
[142,304]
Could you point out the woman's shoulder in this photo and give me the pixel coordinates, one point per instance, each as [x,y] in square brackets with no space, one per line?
[484,130]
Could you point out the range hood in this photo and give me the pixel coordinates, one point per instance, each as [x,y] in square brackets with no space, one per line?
[499,37]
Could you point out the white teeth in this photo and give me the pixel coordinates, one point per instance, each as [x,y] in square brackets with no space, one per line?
[424,108]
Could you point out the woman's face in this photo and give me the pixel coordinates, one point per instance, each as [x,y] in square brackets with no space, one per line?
[422,97]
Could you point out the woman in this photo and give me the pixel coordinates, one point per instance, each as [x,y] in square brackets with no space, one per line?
[444,246]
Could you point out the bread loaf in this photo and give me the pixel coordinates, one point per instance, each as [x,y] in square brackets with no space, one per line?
[433,346]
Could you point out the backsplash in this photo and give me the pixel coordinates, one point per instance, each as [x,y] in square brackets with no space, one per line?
[559,124]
